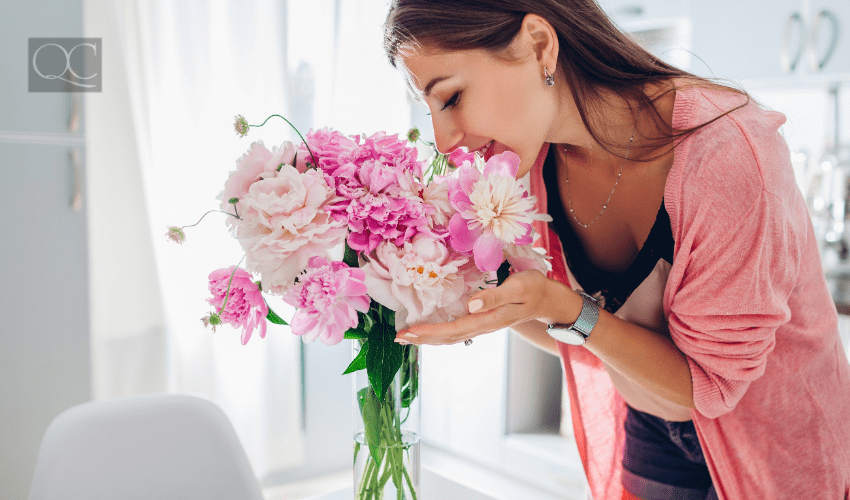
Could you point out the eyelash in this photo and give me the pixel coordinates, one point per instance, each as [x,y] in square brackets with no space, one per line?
[452,102]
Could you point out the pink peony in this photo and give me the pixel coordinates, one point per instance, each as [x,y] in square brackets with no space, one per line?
[328,296]
[245,306]
[331,149]
[423,280]
[459,157]
[375,180]
[493,210]
[374,218]
[285,221]
[255,164]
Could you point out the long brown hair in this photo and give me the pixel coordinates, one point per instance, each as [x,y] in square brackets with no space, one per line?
[594,55]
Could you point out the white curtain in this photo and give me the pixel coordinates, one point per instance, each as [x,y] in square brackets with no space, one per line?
[161,144]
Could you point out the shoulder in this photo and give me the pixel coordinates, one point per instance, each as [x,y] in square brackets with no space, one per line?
[731,163]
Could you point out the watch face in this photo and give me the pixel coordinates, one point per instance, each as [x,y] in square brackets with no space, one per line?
[566,336]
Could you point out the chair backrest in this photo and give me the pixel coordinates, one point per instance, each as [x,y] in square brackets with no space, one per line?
[164,446]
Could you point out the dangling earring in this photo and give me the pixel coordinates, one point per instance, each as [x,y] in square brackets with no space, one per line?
[550,79]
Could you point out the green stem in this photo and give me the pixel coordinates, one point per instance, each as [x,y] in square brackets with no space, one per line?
[211,211]
[361,487]
[409,483]
[379,494]
[296,131]
[230,282]
[388,472]
[365,481]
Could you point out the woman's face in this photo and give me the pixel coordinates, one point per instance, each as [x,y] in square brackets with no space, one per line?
[476,99]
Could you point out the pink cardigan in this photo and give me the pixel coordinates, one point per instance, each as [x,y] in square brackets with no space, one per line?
[747,304]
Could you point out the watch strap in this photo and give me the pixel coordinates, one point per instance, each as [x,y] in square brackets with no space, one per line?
[578,332]
[588,317]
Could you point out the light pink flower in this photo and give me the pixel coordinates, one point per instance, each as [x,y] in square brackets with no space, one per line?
[526,257]
[494,209]
[423,281]
[240,124]
[256,163]
[285,221]
[436,198]
[176,234]
[328,297]
[245,306]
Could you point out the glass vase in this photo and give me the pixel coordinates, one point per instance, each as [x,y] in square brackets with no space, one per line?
[386,433]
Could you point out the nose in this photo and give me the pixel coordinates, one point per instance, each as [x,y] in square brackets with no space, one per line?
[447,133]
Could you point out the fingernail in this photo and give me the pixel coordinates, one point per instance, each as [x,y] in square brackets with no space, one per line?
[402,342]
[475,305]
[409,335]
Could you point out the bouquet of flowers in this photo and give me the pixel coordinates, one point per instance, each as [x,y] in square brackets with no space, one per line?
[417,239]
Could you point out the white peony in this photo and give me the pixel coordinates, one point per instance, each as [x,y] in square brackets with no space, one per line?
[284,223]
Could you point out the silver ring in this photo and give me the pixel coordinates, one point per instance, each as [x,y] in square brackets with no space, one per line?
[467,342]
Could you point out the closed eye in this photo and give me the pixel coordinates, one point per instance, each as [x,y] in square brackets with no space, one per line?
[452,102]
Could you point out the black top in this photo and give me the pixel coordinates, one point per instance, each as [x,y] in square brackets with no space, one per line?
[615,288]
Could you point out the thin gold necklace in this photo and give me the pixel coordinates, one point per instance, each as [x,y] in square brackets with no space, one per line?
[569,191]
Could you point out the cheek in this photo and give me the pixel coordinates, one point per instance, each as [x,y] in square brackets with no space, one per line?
[516,103]
[522,115]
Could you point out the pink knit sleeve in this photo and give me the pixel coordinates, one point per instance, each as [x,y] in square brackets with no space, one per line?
[741,237]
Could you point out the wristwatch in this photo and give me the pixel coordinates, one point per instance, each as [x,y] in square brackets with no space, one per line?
[577,333]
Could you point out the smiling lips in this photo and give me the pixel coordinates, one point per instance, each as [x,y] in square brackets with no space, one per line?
[483,149]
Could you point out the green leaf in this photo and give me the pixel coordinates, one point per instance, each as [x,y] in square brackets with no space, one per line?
[358,363]
[368,322]
[503,272]
[274,318]
[370,411]
[350,257]
[356,333]
[356,451]
[386,315]
[383,359]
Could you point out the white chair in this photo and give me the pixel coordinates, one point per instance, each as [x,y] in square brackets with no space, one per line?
[162,447]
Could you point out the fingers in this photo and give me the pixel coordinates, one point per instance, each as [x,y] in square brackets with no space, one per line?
[514,301]
[463,328]
[491,298]
[512,291]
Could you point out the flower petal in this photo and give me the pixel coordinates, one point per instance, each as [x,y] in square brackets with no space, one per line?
[487,252]
[462,238]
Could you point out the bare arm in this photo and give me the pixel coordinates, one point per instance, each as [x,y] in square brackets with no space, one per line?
[534,332]
[647,358]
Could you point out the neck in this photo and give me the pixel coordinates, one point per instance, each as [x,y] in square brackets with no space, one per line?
[617,128]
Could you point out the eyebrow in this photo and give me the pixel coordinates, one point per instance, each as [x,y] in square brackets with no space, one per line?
[427,90]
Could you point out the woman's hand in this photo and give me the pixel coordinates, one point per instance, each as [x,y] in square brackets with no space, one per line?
[524,296]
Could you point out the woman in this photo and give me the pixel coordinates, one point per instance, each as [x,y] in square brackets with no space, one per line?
[707,363]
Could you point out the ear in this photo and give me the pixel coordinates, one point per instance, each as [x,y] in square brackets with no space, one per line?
[542,39]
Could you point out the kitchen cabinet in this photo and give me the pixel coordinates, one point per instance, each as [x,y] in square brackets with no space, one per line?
[770,38]
[44,335]
[36,112]
[629,11]
[744,40]
[839,62]
[747,40]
